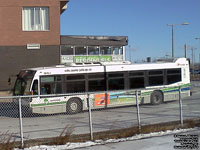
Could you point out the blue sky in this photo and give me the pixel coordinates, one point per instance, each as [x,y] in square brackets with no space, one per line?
[143,21]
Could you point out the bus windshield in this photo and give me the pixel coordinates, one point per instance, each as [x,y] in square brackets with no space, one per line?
[23,83]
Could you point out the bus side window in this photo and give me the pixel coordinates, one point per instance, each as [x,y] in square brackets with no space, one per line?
[45,89]
[35,87]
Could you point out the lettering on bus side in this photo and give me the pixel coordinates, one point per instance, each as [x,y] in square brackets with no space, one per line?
[46,73]
[79,70]
[55,100]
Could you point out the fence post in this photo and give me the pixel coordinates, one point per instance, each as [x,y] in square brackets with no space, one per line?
[138,111]
[20,122]
[180,107]
[90,118]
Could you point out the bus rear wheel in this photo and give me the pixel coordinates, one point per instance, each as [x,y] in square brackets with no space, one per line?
[74,106]
[156,97]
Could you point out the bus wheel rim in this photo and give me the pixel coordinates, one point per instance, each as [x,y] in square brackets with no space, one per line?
[74,106]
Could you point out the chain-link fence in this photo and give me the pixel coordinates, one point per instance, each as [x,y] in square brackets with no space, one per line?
[24,117]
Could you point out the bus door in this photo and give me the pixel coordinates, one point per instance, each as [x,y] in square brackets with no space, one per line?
[45,103]
[35,91]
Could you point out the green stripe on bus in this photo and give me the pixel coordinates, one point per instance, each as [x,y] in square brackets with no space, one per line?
[47,104]
[167,89]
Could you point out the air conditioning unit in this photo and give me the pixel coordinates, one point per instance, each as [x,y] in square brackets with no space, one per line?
[33,46]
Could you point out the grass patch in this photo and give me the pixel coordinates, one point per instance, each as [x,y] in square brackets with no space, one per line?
[7,141]
[64,136]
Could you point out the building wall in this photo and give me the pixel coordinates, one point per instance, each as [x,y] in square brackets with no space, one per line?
[15,58]
[11,23]
[14,54]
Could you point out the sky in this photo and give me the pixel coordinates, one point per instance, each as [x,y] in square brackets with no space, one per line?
[143,21]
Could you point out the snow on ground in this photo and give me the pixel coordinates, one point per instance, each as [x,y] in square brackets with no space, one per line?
[69,146]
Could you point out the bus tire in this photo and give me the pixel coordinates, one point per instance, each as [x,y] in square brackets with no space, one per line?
[156,97]
[74,106]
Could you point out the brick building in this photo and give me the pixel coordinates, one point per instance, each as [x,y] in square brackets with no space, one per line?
[30,37]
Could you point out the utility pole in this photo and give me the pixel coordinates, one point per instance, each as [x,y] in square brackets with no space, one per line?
[185,50]
[192,49]
[193,59]
[129,52]
[172,25]
[199,52]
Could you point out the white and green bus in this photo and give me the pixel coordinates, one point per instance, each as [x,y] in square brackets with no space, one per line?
[65,88]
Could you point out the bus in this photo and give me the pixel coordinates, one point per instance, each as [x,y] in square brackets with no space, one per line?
[65,88]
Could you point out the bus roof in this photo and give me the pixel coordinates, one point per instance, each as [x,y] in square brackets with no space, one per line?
[77,68]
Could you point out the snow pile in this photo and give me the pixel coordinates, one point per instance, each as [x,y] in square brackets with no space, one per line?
[100,142]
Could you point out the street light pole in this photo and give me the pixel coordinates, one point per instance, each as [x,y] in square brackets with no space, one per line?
[199,53]
[185,50]
[173,41]
[192,49]
[172,25]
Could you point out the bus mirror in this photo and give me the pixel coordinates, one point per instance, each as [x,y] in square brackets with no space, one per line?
[31,92]
[9,81]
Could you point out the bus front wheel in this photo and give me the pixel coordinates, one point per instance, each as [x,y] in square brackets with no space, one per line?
[156,97]
[74,105]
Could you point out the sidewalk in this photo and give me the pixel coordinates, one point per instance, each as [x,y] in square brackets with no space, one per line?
[165,142]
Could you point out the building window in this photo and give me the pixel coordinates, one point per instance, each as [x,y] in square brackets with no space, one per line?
[67,50]
[81,50]
[105,50]
[117,50]
[121,51]
[35,18]
[93,50]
